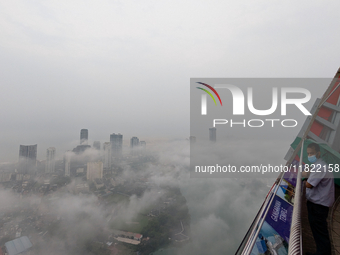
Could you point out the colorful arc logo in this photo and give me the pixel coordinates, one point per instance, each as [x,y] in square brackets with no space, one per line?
[209,92]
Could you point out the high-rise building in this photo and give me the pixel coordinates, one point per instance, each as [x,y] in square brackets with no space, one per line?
[94,170]
[212,134]
[67,163]
[28,151]
[50,160]
[134,145]
[116,144]
[107,155]
[96,145]
[84,136]
[134,142]
[142,145]
[27,158]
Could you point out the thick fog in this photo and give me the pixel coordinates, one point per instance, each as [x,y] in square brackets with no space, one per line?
[221,210]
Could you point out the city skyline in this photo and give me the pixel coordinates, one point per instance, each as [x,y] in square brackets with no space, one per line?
[126,145]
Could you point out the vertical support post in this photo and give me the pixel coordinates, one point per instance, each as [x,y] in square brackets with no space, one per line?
[295,244]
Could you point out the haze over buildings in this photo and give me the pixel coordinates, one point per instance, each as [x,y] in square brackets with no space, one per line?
[94,170]
[50,160]
[142,144]
[67,163]
[116,141]
[84,136]
[134,142]
[81,161]
[27,158]
[96,145]
[107,155]
[28,152]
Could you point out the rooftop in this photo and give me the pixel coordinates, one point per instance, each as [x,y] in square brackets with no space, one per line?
[18,245]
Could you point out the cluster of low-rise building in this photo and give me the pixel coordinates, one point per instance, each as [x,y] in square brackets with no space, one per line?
[126,237]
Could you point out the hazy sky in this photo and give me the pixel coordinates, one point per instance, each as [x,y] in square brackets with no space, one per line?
[125,66]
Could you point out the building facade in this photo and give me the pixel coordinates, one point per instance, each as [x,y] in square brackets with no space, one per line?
[27,159]
[50,160]
[67,163]
[84,136]
[107,155]
[116,141]
[134,146]
[94,170]
[134,142]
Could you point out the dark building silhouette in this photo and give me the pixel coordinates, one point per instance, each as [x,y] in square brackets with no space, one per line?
[134,142]
[134,145]
[84,136]
[27,159]
[81,148]
[116,144]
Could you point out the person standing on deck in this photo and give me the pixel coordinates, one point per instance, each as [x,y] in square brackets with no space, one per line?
[320,196]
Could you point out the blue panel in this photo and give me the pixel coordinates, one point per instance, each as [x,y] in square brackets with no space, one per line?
[261,246]
[280,217]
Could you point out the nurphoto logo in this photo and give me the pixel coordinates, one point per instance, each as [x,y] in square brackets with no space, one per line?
[288,96]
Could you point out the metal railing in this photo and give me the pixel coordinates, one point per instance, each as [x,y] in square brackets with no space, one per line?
[295,245]
[261,217]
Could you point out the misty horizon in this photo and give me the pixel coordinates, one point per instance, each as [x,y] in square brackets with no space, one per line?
[64,146]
